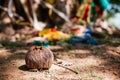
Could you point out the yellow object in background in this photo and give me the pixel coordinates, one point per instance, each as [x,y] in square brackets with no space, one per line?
[53,34]
[50,1]
[81,11]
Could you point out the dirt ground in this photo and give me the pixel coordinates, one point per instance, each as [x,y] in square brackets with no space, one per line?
[91,62]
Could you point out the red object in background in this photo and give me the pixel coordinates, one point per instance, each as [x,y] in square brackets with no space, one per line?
[75,30]
[87,12]
[99,10]
[53,30]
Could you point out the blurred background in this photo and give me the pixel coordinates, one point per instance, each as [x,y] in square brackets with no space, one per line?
[77,21]
[85,33]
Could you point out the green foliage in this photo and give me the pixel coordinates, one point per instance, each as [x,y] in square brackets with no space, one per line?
[115,1]
[9,44]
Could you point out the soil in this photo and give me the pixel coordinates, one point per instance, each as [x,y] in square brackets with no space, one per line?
[91,62]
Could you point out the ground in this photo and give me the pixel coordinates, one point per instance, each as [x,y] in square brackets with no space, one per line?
[91,62]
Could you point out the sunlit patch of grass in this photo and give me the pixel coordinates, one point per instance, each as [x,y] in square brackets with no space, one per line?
[95,51]
[77,69]
[92,76]
[100,78]
[1,45]
[33,78]
[72,54]
[54,78]
[47,71]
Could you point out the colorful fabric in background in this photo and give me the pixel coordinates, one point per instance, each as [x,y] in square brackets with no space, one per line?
[85,39]
[97,8]
[101,5]
[87,13]
[53,34]
[81,11]
[104,4]
[82,34]
[84,10]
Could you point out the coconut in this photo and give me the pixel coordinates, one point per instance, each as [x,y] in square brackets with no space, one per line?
[39,57]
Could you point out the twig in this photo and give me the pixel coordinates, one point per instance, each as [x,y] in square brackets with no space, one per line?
[35,22]
[59,13]
[66,68]
[6,10]
[10,10]
[25,9]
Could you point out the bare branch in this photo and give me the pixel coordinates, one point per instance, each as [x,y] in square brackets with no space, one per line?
[10,13]
[36,24]
[61,14]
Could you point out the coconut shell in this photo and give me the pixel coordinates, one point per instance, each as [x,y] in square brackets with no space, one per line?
[39,57]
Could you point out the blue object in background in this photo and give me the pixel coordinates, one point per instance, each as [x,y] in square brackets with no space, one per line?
[87,38]
[104,4]
[88,31]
